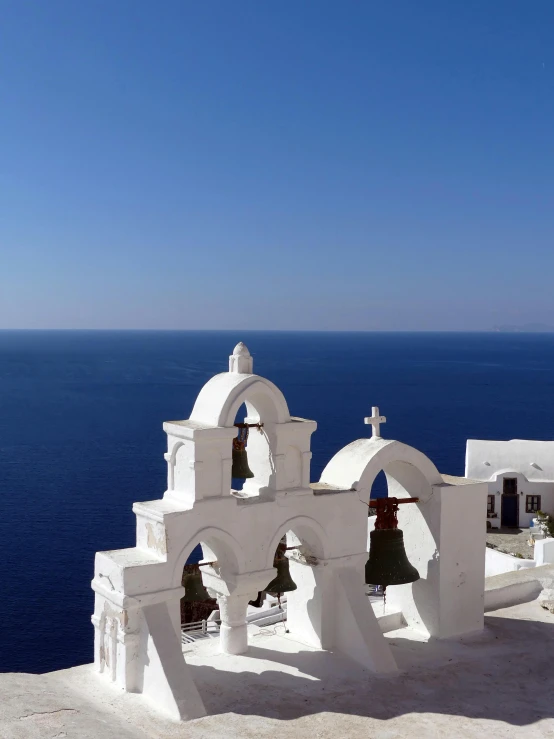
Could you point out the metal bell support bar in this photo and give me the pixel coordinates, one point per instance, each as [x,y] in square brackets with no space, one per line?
[387,562]
[387,509]
[240,469]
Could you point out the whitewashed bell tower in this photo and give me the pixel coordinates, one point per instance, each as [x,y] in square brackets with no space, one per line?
[199,449]
[137,590]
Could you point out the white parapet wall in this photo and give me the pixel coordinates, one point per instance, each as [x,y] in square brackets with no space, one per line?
[544,552]
[496,563]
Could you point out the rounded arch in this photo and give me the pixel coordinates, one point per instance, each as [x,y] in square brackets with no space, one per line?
[409,473]
[356,466]
[172,455]
[217,544]
[309,531]
[499,474]
[221,397]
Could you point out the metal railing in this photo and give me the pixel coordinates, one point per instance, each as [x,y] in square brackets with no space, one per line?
[196,630]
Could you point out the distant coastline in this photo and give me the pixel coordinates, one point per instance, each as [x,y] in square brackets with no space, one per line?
[526,328]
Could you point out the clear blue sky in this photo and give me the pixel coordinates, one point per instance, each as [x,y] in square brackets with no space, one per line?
[276,164]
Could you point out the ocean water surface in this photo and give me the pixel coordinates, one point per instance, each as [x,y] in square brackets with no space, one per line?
[81,437]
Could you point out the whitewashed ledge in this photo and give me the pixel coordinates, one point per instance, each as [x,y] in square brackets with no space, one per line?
[284,689]
[518,586]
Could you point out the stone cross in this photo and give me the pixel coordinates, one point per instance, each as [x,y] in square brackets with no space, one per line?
[375,420]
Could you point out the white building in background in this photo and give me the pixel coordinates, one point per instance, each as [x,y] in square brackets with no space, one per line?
[520,477]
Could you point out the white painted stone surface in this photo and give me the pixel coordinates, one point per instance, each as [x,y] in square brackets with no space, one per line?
[448,599]
[544,552]
[496,563]
[530,462]
[137,590]
[519,586]
[283,689]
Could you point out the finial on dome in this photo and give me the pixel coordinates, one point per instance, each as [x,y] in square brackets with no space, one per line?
[240,361]
[241,350]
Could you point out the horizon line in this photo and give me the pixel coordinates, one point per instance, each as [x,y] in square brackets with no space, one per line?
[282,330]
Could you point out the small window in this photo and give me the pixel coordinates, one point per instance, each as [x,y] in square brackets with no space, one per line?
[510,486]
[532,504]
[490,504]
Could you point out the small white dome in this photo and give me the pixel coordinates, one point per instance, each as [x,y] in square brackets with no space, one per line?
[241,350]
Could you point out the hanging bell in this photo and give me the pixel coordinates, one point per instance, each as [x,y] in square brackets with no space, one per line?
[194,587]
[240,469]
[283,583]
[388,563]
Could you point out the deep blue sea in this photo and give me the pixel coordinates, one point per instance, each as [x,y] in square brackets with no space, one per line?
[81,437]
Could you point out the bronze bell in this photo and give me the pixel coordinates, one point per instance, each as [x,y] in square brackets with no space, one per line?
[240,469]
[194,587]
[283,583]
[388,563]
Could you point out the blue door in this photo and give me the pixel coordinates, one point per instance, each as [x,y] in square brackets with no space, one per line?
[510,505]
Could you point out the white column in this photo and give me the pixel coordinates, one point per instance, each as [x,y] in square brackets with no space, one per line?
[233,632]
[233,593]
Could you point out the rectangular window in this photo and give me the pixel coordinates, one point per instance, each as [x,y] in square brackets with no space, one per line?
[490,504]
[510,486]
[532,503]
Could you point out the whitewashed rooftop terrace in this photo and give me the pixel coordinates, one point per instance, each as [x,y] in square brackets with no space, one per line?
[496,684]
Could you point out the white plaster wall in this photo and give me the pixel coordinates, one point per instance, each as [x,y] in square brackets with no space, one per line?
[448,599]
[531,462]
[511,593]
[534,459]
[497,563]
[544,551]
[420,524]
[244,533]
[242,536]
[462,568]
[525,487]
